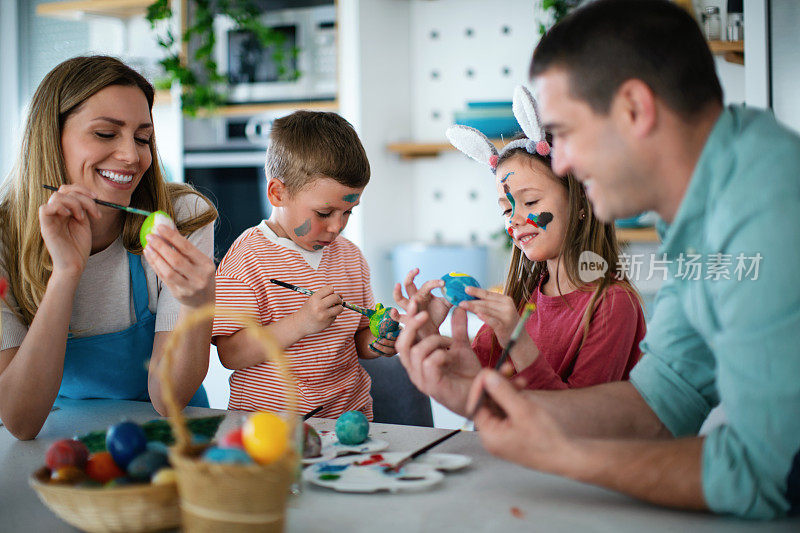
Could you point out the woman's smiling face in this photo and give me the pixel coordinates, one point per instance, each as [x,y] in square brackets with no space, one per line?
[534,205]
[106,142]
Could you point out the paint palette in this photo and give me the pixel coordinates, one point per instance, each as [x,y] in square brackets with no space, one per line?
[331,447]
[366,473]
[446,462]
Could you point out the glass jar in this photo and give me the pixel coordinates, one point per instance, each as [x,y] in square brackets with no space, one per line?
[712,24]
[735,30]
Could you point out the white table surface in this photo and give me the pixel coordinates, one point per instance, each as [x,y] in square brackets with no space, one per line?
[478,498]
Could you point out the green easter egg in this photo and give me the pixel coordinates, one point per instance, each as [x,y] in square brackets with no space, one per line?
[156,217]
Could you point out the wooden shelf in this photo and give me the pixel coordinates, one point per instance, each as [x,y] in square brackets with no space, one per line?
[732,51]
[413,150]
[252,109]
[637,235]
[105,8]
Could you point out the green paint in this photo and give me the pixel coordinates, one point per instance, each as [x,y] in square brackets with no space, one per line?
[351,197]
[329,477]
[510,198]
[317,247]
[303,229]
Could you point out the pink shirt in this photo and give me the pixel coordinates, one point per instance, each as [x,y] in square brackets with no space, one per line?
[610,350]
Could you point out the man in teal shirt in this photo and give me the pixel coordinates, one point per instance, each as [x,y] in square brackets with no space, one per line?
[629,91]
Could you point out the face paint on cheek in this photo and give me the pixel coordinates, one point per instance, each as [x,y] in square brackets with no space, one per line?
[350,198]
[541,220]
[303,229]
[510,198]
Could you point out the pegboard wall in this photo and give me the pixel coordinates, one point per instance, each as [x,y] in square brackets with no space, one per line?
[462,51]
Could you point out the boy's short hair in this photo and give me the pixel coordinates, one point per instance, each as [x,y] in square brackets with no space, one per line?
[307,144]
[608,42]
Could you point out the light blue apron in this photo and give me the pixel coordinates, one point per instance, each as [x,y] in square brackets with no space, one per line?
[114,365]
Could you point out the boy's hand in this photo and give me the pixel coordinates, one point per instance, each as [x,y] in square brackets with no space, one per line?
[320,310]
[384,347]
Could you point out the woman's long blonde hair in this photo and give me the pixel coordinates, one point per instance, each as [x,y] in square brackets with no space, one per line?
[584,232]
[41,162]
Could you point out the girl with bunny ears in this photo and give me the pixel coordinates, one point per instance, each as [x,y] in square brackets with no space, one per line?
[587,328]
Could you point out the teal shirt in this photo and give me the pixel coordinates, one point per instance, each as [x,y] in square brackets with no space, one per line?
[734,340]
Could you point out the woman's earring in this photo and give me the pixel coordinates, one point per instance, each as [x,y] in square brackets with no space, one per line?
[581,215]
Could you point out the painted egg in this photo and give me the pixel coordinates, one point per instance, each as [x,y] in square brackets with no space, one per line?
[146,464]
[101,467]
[119,482]
[165,476]
[352,428]
[227,456]
[125,441]
[232,439]
[454,285]
[155,218]
[66,452]
[312,444]
[381,324]
[68,475]
[265,437]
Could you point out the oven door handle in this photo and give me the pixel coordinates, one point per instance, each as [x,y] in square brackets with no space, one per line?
[257,129]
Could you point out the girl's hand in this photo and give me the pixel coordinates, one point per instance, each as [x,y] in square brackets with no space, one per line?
[319,311]
[65,225]
[384,347]
[496,310]
[437,307]
[187,272]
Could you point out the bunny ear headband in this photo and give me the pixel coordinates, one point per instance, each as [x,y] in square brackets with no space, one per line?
[476,145]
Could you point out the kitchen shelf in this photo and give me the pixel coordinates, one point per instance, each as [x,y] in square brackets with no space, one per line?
[732,51]
[105,8]
[252,109]
[414,150]
[637,235]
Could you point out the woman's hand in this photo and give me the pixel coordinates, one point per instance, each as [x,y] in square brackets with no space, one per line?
[65,225]
[187,272]
[496,310]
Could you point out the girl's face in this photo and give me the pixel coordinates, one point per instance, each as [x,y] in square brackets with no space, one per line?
[534,205]
[106,143]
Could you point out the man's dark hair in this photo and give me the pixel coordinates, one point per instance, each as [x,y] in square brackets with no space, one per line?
[605,43]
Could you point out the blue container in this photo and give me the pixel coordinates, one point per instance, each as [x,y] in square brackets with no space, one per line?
[493,119]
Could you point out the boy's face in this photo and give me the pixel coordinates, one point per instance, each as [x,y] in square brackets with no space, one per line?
[314,216]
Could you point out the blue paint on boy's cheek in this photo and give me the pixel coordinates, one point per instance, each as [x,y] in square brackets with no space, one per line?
[350,198]
[303,228]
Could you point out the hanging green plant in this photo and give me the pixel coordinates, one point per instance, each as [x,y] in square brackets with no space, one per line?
[557,10]
[202,87]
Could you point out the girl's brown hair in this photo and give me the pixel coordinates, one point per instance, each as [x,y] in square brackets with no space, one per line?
[584,232]
[41,162]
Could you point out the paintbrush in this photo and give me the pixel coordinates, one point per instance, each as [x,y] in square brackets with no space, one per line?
[312,413]
[413,455]
[526,313]
[366,312]
[110,204]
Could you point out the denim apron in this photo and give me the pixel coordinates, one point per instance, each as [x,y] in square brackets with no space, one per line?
[114,365]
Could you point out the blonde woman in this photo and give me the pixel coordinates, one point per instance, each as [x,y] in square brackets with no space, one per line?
[86,315]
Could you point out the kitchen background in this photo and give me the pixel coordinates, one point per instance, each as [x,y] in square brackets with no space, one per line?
[404,68]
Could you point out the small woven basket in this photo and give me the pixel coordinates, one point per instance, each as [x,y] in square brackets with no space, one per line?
[125,509]
[229,497]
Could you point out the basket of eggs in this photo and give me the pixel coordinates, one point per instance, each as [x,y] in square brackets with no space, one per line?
[116,480]
[242,483]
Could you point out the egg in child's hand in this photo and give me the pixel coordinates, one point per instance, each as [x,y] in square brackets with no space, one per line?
[352,428]
[265,437]
[454,285]
[382,325]
[153,219]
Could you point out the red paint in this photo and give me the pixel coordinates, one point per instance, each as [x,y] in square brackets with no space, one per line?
[516,512]
[510,231]
[377,458]
[532,223]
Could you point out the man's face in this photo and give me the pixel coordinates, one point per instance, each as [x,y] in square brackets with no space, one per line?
[593,147]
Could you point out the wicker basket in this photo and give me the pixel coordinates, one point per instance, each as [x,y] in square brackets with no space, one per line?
[128,509]
[224,497]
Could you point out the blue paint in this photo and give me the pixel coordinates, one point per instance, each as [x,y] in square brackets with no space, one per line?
[540,220]
[506,177]
[454,285]
[351,197]
[328,467]
[303,229]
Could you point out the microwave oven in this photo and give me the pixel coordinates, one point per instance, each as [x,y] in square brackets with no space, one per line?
[252,73]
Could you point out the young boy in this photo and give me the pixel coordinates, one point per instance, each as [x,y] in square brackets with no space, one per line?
[316,169]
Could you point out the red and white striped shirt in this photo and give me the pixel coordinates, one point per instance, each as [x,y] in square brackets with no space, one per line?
[325,364]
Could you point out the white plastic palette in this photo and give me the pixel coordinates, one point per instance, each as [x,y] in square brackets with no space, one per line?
[446,462]
[343,474]
[331,447]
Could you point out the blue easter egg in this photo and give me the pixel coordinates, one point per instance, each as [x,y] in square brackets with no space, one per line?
[352,428]
[227,456]
[125,441]
[454,285]
[147,463]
